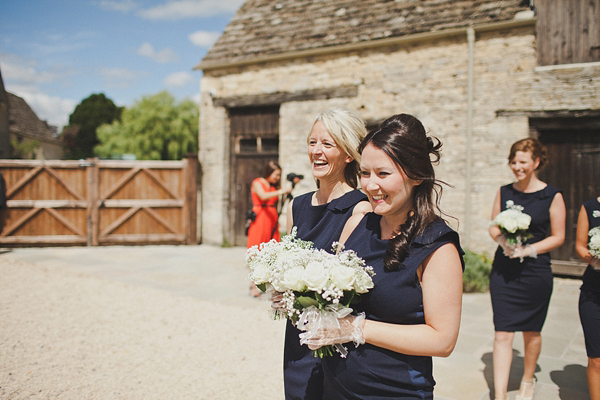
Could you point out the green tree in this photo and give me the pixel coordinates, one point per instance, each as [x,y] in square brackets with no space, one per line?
[79,137]
[154,128]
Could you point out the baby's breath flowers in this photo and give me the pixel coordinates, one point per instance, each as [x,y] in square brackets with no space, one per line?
[308,278]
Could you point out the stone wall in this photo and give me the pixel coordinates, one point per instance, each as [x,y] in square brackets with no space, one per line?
[426,79]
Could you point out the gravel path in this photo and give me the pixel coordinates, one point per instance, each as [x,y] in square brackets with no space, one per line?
[71,335]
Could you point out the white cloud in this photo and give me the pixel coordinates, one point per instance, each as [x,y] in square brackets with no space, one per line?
[118,78]
[179,9]
[203,38]
[118,5]
[24,72]
[164,56]
[179,79]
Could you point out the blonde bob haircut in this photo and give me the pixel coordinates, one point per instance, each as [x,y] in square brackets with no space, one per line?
[347,129]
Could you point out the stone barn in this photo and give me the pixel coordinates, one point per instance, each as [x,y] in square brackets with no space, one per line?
[480,74]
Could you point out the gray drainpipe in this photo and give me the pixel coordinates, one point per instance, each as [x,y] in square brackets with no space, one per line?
[469,160]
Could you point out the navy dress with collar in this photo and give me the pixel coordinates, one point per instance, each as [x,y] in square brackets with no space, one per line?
[371,372]
[520,291]
[322,225]
[589,297]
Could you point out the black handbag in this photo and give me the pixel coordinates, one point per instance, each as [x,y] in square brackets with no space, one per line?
[250,216]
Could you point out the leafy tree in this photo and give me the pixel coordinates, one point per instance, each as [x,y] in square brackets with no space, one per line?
[154,128]
[79,137]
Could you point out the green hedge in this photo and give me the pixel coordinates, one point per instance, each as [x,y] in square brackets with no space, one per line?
[476,277]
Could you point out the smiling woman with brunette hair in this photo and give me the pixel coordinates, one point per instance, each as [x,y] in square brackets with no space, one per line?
[413,312]
[521,278]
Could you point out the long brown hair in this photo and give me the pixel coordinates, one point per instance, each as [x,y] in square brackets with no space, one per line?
[404,139]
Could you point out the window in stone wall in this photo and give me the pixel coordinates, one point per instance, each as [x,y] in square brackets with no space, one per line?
[568,31]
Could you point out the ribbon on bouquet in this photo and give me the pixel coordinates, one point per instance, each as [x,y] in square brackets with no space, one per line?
[315,322]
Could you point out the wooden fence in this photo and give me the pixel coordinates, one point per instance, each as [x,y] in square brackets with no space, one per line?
[99,202]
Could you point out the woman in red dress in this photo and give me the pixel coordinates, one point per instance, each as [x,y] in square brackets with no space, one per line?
[265,194]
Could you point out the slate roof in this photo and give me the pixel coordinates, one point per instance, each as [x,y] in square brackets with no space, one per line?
[268,27]
[24,122]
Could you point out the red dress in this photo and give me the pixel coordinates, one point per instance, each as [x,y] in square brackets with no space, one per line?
[265,226]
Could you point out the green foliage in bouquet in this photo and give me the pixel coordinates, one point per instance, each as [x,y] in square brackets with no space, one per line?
[476,278]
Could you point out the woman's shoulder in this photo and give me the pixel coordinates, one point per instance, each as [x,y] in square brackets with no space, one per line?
[347,200]
[437,230]
[592,205]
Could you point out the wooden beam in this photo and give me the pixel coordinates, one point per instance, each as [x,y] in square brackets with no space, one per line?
[120,221]
[46,203]
[153,203]
[284,97]
[159,182]
[26,178]
[157,217]
[26,217]
[46,239]
[65,222]
[142,238]
[126,178]
[63,183]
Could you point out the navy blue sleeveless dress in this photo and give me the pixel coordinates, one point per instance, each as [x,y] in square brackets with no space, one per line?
[521,291]
[371,372]
[589,297]
[322,225]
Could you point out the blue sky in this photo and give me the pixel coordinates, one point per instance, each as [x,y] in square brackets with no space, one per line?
[55,53]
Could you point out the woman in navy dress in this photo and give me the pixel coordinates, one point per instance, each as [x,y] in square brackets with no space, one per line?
[413,311]
[320,217]
[589,298]
[521,277]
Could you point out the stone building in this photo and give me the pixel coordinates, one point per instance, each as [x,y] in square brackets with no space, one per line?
[480,74]
[31,137]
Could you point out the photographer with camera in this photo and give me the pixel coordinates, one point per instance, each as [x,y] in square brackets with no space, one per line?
[262,224]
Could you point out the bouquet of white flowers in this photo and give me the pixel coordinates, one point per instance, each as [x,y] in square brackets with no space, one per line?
[594,242]
[513,223]
[310,280]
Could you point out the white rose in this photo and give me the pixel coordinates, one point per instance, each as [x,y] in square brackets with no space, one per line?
[363,283]
[510,224]
[314,276]
[292,279]
[342,277]
[594,242]
[260,274]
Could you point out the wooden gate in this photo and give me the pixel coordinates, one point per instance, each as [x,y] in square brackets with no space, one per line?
[99,202]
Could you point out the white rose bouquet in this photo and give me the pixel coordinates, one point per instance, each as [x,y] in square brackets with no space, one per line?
[312,282]
[513,223]
[594,242]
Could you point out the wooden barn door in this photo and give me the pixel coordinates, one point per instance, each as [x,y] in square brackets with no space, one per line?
[574,167]
[255,142]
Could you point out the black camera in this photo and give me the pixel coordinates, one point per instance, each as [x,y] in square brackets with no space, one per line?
[292,176]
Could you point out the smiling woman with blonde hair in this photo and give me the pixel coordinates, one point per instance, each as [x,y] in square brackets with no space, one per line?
[319,217]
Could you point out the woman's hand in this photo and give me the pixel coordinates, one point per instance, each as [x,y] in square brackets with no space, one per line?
[524,251]
[506,248]
[323,331]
